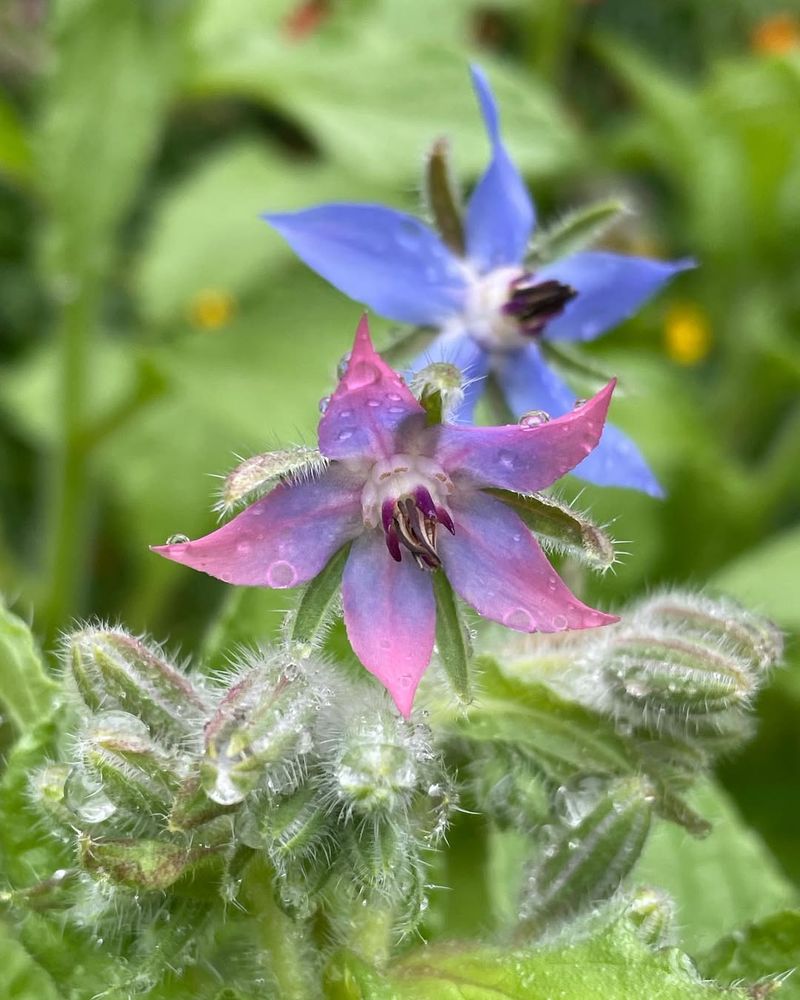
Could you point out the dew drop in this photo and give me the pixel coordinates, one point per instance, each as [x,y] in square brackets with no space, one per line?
[385,644]
[559,623]
[243,548]
[405,680]
[397,409]
[281,574]
[341,368]
[519,619]
[177,539]
[362,373]
[373,402]
[578,404]
[323,403]
[345,414]
[394,397]
[345,434]
[533,418]
[507,458]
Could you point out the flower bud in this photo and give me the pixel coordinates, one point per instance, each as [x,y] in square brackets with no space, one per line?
[440,389]
[48,793]
[138,864]
[652,912]
[259,474]
[586,862]
[114,670]
[287,827]
[135,772]
[260,731]
[717,622]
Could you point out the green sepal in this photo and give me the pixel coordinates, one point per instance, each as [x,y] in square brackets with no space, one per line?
[318,604]
[439,387]
[560,528]
[588,861]
[575,231]
[443,198]
[563,739]
[257,475]
[452,638]
[192,807]
[671,806]
[287,827]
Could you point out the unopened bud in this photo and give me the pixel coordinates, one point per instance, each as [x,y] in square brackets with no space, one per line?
[135,772]
[288,827]
[48,791]
[652,912]
[138,864]
[587,862]
[115,670]
[259,474]
[440,389]
[720,623]
[261,730]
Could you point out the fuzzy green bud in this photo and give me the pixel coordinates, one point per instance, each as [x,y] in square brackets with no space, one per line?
[48,791]
[135,772]
[260,732]
[138,864]
[586,862]
[259,474]
[287,827]
[440,389]
[192,807]
[114,670]
[652,912]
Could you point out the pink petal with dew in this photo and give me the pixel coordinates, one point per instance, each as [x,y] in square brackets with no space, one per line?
[283,540]
[522,458]
[496,565]
[390,615]
[368,407]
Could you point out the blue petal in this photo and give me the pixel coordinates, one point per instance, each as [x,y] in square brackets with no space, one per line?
[466,353]
[385,259]
[500,213]
[530,384]
[610,288]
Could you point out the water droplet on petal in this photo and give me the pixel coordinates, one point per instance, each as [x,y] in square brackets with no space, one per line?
[361,373]
[341,368]
[345,434]
[177,539]
[397,409]
[405,680]
[394,397]
[533,418]
[281,574]
[385,644]
[323,403]
[373,402]
[519,619]
[345,414]
[507,458]
[559,623]
[243,548]
[578,404]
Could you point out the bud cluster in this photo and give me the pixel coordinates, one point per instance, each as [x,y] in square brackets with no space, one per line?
[176,782]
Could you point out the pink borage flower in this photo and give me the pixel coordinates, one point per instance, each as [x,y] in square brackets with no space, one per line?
[411,498]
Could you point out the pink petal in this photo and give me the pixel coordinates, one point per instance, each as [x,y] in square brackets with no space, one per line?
[370,403]
[496,565]
[283,540]
[520,458]
[390,615]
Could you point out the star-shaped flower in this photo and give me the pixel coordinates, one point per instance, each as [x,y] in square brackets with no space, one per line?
[489,306]
[412,499]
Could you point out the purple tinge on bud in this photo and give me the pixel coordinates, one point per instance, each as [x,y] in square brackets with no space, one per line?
[534,303]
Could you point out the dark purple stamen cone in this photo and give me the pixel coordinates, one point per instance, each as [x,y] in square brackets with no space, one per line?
[535,304]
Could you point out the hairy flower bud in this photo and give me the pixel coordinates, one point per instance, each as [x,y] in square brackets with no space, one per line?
[288,827]
[587,861]
[48,791]
[257,475]
[652,912]
[260,731]
[114,670]
[440,389]
[135,772]
[138,864]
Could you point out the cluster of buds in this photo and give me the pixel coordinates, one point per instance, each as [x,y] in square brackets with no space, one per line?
[177,782]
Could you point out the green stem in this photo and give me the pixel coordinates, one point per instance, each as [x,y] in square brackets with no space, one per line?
[284,940]
[68,517]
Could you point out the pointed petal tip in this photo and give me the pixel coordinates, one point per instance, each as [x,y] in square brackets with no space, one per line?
[403,697]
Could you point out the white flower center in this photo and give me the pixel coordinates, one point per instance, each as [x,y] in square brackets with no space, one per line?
[483,314]
[400,476]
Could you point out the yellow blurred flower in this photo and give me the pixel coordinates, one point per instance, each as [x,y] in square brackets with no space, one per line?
[776,35]
[211,309]
[687,333]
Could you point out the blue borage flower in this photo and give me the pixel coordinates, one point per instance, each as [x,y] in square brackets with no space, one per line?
[490,309]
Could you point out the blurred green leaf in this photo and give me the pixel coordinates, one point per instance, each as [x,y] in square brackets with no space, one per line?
[26,691]
[20,976]
[766,578]
[757,953]
[15,153]
[719,882]
[613,964]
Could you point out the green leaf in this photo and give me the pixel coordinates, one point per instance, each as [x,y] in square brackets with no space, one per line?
[576,230]
[26,691]
[319,602]
[21,977]
[561,529]
[563,738]
[719,882]
[613,964]
[766,578]
[452,637]
[759,952]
